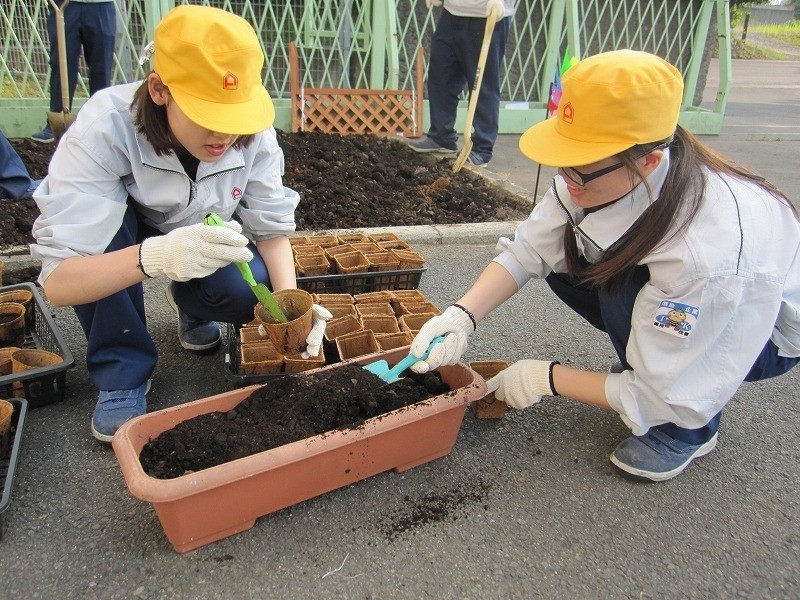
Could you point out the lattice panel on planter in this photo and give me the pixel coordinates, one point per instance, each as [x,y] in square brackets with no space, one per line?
[356,111]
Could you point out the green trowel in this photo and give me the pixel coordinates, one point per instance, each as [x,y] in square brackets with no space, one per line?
[259,289]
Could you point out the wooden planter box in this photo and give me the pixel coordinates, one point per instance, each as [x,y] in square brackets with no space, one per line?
[202,507]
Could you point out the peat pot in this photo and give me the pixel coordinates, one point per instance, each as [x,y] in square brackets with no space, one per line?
[208,505]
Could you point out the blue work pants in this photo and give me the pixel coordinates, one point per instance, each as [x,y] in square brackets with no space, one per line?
[91,26]
[455,48]
[120,352]
[612,313]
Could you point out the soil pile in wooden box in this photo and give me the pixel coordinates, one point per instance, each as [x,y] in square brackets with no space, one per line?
[290,408]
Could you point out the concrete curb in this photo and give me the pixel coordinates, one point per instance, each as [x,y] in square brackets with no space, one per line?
[17,258]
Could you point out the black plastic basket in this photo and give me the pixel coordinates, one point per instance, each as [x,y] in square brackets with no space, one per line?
[44,385]
[361,283]
[233,362]
[8,465]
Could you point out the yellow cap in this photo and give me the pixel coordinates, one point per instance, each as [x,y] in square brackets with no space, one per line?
[609,103]
[211,61]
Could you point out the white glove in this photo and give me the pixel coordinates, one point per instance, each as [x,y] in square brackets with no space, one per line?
[523,383]
[456,326]
[193,251]
[320,316]
[498,6]
[430,3]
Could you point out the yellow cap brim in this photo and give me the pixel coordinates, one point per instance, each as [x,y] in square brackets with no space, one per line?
[544,144]
[245,118]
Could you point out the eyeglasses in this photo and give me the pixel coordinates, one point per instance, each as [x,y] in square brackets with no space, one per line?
[582,179]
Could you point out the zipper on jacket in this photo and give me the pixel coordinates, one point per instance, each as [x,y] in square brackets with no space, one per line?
[575,228]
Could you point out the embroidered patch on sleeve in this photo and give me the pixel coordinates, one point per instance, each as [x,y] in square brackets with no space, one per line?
[675,318]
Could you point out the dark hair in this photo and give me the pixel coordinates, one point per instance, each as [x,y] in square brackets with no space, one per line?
[681,195]
[151,121]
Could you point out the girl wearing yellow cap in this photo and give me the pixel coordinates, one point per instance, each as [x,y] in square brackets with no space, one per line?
[689,262]
[129,186]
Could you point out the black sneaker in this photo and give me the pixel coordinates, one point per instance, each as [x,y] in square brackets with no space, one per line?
[428,145]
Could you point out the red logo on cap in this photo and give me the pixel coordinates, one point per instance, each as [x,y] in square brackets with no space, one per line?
[230,81]
[568,113]
[236,193]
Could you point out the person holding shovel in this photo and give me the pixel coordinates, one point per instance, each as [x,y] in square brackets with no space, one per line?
[129,187]
[689,262]
[455,49]
[88,24]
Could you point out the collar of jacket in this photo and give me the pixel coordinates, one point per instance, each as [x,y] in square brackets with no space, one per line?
[605,226]
[232,160]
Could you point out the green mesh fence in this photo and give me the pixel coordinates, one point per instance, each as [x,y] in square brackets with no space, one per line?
[372,44]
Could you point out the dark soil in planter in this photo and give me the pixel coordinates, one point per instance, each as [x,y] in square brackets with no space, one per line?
[344,182]
[286,410]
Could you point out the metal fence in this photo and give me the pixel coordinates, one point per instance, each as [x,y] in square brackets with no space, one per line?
[372,43]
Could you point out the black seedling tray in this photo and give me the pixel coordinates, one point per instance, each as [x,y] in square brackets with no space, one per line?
[8,465]
[361,283]
[44,385]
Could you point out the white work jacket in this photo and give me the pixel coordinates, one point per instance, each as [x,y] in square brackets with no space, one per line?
[102,161]
[718,291]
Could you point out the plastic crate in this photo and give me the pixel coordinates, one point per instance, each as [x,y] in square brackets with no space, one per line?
[359,283]
[44,385]
[8,465]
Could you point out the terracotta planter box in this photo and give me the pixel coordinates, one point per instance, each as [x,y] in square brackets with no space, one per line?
[488,407]
[202,507]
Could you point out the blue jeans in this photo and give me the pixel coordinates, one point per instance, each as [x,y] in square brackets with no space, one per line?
[93,27]
[612,313]
[455,48]
[120,352]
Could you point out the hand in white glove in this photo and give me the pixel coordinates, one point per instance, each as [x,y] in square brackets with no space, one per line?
[456,325]
[430,3]
[320,316]
[498,7]
[523,383]
[193,251]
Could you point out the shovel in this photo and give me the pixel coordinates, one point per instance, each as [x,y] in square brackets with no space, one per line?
[390,375]
[259,289]
[60,121]
[473,97]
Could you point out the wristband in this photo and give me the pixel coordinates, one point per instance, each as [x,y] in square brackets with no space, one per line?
[139,264]
[470,315]
[550,377]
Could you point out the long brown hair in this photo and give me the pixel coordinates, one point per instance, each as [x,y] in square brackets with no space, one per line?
[151,121]
[681,194]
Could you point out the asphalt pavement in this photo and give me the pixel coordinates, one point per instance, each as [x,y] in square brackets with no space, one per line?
[525,507]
